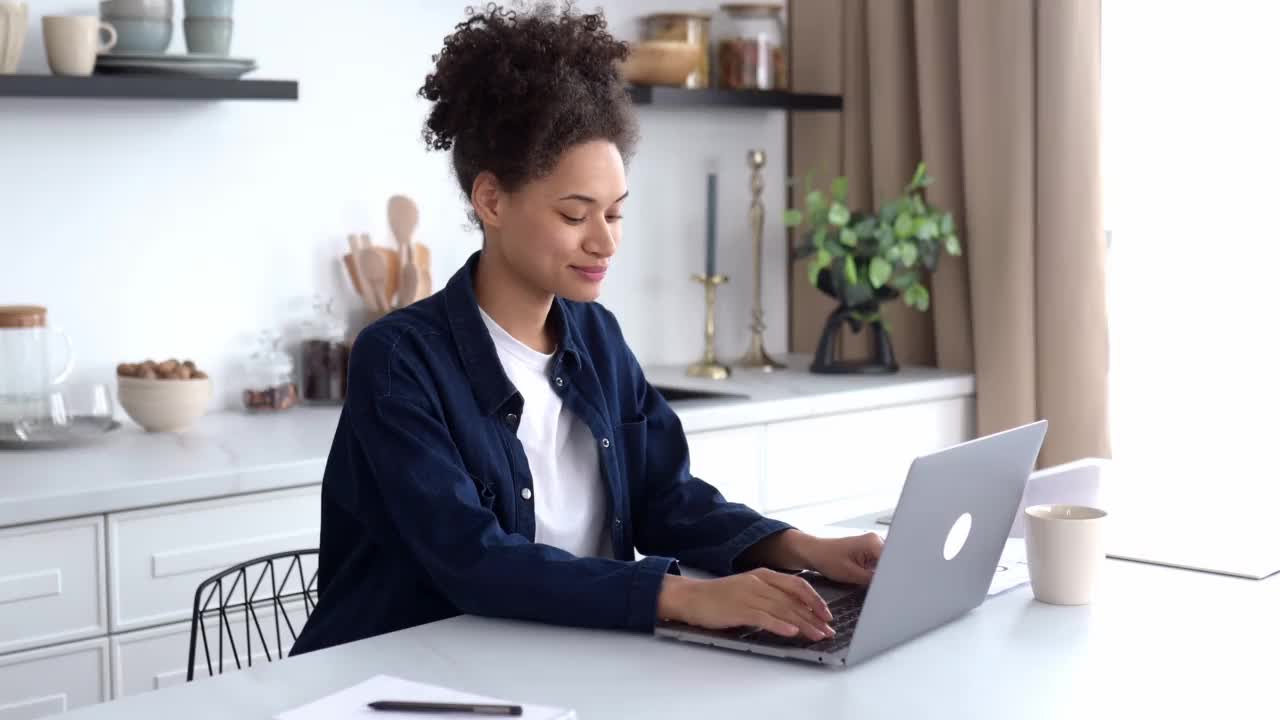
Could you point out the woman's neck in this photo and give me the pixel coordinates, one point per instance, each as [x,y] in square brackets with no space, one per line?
[519,309]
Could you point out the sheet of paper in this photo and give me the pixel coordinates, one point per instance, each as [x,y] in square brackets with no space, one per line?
[1011,571]
[354,702]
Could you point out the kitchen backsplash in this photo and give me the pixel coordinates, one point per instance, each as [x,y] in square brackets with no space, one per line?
[183,229]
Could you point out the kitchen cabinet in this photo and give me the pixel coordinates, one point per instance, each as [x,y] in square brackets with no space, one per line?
[867,453]
[52,680]
[732,460]
[52,585]
[160,555]
[156,658]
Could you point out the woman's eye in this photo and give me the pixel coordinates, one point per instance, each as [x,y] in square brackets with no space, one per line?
[573,220]
[613,218]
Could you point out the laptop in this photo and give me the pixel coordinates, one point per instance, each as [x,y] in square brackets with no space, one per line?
[950,526]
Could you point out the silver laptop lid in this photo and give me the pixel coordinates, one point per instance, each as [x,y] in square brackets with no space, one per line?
[932,571]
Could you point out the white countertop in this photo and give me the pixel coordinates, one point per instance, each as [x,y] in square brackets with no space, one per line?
[231,452]
[1156,642]
[796,393]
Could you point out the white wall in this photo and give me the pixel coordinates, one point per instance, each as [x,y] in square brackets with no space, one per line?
[182,228]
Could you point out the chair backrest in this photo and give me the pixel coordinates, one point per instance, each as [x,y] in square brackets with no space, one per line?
[243,613]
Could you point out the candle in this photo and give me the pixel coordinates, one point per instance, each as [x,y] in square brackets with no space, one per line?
[711,225]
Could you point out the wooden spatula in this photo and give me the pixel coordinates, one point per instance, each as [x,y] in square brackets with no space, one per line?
[402,214]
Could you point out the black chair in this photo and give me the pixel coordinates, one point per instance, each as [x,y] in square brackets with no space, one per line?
[256,593]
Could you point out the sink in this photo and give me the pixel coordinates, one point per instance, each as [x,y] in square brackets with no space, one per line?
[674,394]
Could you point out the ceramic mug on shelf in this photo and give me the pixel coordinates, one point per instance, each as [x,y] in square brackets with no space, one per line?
[13,31]
[72,42]
[28,350]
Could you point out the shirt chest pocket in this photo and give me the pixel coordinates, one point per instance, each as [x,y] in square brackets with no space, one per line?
[631,440]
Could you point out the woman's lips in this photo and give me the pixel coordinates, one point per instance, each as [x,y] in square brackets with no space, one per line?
[592,274]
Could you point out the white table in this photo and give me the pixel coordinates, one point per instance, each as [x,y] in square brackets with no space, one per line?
[1158,642]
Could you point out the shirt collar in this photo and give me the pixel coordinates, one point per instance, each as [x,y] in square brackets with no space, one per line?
[489,383]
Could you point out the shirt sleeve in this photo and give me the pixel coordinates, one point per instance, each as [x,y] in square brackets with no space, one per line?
[678,515]
[426,502]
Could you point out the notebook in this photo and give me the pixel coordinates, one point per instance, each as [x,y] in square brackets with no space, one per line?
[353,702]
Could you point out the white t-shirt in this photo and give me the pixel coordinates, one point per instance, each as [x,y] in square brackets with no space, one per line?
[568,493]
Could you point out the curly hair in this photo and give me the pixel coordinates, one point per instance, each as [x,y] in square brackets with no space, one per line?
[513,90]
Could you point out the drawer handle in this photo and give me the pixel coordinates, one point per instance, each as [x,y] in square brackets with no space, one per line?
[222,555]
[14,588]
[34,708]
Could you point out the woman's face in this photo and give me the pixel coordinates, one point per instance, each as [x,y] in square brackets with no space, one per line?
[558,233]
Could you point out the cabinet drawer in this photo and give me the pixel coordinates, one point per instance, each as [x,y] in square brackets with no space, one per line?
[855,454]
[732,460]
[159,556]
[52,583]
[38,683]
[156,658]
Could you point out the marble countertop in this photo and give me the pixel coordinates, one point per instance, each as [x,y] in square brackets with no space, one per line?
[231,452]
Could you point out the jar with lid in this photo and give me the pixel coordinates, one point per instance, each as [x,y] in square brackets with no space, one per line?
[684,27]
[324,354]
[269,384]
[751,48]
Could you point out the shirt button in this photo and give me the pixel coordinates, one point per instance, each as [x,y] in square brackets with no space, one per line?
[617,522]
[526,493]
[604,443]
[513,419]
[559,382]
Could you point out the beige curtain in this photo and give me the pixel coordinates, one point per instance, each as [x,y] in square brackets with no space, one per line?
[1001,98]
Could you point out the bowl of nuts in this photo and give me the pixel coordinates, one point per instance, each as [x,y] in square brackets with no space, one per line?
[163,396]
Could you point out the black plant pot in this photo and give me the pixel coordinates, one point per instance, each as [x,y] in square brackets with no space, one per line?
[825,360]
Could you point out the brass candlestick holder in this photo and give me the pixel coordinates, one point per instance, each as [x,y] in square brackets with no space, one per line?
[756,356]
[709,366]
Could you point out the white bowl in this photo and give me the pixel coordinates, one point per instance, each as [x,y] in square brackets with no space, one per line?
[164,405]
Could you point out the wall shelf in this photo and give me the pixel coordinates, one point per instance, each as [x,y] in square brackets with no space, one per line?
[140,87]
[708,98]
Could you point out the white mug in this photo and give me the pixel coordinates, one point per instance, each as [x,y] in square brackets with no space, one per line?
[1064,552]
[72,42]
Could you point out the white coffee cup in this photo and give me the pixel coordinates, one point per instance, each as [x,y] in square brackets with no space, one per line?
[1064,552]
[72,42]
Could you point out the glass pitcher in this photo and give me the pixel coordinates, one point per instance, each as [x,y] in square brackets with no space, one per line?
[33,358]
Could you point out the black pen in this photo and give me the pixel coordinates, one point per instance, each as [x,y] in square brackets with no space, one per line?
[430,707]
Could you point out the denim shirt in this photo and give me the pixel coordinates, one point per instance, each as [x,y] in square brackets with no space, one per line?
[427,508]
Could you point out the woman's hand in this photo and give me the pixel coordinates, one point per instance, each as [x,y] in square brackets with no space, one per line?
[847,560]
[782,604]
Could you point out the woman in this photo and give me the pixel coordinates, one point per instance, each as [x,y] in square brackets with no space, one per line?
[500,452]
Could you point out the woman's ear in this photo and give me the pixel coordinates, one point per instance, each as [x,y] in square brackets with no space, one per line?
[486,199]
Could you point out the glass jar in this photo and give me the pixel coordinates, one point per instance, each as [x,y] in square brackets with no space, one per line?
[324,353]
[684,27]
[751,50]
[269,384]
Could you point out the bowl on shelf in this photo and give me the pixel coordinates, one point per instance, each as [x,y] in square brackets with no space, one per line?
[141,35]
[164,405]
[112,10]
[660,62]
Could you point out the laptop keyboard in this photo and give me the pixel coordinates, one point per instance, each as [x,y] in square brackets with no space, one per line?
[845,612]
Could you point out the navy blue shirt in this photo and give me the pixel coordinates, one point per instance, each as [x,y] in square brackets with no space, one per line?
[423,510]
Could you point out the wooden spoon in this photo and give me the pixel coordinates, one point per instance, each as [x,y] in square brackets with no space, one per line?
[358,277]
[374,268]
[402,214]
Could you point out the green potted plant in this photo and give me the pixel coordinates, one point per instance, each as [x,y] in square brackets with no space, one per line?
[864,260]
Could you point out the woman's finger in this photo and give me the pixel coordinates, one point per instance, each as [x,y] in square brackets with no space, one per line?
[786,607]
[766,621]
[801,590]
